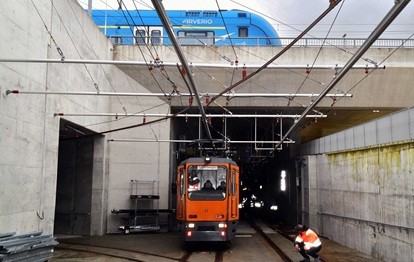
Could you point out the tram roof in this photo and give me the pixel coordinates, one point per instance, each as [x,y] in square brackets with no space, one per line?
[218,160]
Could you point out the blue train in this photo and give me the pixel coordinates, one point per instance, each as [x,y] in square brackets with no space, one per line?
[196,27]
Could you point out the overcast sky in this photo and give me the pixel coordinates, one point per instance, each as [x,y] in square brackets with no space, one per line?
[356,18]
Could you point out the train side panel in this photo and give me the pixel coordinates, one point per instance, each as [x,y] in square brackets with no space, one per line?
[191,27]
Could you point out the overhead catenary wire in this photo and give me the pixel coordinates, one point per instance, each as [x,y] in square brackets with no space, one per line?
[228,34]
[298,30]
[167,25]
[62,56]
[309,70]
[379,64]
[95,84]
[331,6]
[387,20]
[94,53]
[155,58]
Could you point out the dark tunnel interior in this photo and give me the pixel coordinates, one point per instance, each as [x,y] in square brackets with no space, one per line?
[263,195]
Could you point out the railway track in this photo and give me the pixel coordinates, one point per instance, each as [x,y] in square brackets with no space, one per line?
[251,245]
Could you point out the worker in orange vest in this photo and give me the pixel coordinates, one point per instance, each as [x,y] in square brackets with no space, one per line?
[307,243]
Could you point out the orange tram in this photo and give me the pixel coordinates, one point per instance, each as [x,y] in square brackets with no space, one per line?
[207,199]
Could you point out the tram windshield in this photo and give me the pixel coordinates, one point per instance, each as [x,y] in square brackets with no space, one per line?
[207,182]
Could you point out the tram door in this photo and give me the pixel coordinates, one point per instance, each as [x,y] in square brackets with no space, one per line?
[181,185]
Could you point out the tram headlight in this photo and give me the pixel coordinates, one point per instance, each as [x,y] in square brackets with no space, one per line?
[222,225]
[191,225]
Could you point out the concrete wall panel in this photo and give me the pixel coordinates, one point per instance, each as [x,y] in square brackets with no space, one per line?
[349,139]
[370,134]
[399,128]
[30,131]
[366,202]
[359,136]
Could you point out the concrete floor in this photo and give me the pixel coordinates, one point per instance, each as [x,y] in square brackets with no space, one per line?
[160,247]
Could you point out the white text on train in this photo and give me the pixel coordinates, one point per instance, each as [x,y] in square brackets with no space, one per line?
[197,21]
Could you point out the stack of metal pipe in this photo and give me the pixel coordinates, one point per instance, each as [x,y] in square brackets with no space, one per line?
[26,247]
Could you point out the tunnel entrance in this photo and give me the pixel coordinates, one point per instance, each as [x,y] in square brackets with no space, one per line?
[74,180]
[262,172]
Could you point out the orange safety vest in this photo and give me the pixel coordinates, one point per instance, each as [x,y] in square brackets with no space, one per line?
[309,238]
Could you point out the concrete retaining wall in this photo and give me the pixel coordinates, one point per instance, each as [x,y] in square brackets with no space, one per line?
[364,198]
[29,131]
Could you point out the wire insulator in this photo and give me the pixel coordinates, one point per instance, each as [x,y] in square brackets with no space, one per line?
[366,70]
[244,72]
[207,99]
[183,72]
[144,120]
[333,100]
[307,69]
[209,120]
[190,100]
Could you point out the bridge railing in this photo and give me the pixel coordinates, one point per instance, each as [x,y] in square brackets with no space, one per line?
[350,42]
[251,41]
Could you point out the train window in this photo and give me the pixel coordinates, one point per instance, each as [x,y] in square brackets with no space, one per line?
[196,37]
[210,14]
[156,37]
[192,14]
[241,15]
[243,32]
[204,180]
[140,36]
[117,40]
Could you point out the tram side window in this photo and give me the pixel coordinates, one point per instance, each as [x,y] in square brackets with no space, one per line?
[243,32]
[233,182]
[156,37]
[182,191]
[140,36]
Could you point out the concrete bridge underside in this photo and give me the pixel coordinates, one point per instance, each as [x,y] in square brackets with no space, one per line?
[380,82]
